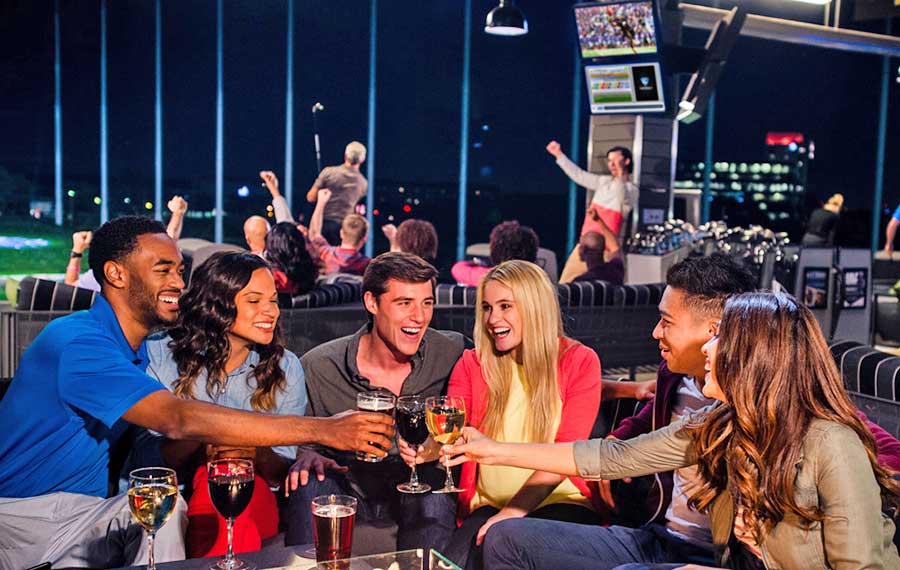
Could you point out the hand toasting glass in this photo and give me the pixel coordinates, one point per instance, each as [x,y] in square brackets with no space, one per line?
[230,488]
[413,429]
[446,417]
[152,495]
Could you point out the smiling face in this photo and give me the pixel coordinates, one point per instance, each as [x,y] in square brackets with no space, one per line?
[154,283]
[711,387]
[501,317]
[401,314]
[257,310]
[681,333]
[617,164]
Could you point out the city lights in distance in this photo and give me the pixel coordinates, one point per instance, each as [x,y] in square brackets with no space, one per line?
[70,193]
[97,200]
[148,205]
[407,208]
[127,200]
[243,191]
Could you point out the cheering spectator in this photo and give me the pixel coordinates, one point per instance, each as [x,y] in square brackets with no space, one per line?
[293,268]
[346,258]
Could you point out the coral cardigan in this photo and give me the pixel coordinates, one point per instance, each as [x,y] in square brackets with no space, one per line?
[579,389]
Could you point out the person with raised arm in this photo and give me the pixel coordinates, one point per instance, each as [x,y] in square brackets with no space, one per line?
[79,386]
[612,197]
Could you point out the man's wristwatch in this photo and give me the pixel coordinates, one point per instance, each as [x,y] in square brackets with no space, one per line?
[75,255]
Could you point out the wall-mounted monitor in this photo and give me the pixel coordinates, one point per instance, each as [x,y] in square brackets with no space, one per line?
[625,88]
[617,29]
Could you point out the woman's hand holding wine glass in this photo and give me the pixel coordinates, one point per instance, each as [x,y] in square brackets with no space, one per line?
[472,445]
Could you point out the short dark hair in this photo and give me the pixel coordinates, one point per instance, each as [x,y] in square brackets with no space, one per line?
[116,239]
[396,265]
[709,281]
[626,153]
[418,237]
[510,240]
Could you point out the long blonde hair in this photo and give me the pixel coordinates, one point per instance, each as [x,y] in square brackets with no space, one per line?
[537,304]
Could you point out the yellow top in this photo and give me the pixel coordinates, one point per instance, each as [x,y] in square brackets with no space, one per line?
[496,484]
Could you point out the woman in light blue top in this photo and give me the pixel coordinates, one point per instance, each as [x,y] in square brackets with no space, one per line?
[226,349]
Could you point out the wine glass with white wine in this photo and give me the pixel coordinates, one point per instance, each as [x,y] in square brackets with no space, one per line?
[152,496]
[446,418]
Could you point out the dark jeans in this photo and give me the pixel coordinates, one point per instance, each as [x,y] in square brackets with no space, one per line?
[423,521]
[539,544]
[465,553]
[331,231]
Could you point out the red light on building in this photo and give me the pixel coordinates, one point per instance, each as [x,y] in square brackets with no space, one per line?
[783,139]
[375,212]
[407,208]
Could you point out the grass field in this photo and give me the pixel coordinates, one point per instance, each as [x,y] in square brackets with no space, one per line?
[50,259]
[611,98]
[592,53]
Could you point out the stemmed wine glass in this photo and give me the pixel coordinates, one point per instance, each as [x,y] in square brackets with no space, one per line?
[152,495]
[412,428]
[446,418]
[230,488]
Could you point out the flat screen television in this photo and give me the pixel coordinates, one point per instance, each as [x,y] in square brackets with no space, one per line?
[625,88]
[617,29]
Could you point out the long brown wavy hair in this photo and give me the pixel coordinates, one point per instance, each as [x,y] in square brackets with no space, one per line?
[200,338]
[777,374]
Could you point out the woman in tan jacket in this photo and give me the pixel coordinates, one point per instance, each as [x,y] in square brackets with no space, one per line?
[789,472]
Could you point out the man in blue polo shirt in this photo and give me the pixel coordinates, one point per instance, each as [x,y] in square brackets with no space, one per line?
[79,385]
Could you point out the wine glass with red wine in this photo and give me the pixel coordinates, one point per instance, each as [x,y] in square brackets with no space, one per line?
[230,488]
[411,425]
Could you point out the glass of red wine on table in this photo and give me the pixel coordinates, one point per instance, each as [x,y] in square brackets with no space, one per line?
[411,426]
[230,488]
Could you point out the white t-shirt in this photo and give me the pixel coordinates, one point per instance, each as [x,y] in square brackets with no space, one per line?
[685,523]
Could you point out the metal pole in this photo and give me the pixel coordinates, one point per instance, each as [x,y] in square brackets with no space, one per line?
[573,148]
[882,137]
[706,196]
[57,124]
[464,134]
[157,140]
[370,142]
[220,105]
[289,110]
[104,155]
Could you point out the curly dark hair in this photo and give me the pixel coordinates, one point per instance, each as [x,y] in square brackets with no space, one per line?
[286,251]
[510,240]
[200,337]
[418,237]
[116,239]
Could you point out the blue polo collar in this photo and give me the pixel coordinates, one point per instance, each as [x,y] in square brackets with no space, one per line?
[103,313]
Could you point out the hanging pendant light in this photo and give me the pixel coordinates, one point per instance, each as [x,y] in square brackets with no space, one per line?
[506,20]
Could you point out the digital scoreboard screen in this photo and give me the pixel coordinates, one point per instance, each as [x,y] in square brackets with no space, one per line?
[625,88]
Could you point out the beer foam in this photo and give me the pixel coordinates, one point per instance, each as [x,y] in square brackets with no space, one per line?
[334,511]
[376,406]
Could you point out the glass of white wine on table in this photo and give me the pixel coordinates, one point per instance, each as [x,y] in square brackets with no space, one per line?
[152,495]
[446,418]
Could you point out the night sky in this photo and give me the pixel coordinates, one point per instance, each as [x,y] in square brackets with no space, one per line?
[521,91]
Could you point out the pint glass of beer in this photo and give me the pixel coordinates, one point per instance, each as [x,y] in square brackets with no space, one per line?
[333,517]
[378,401]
